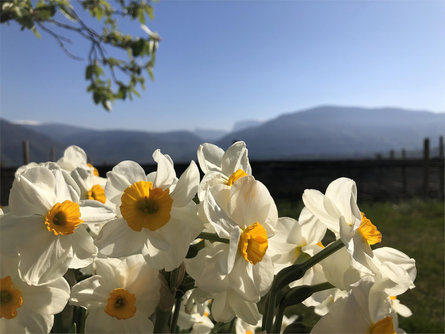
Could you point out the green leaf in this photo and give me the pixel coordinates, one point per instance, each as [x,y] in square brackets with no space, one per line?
[137,47]
[149,10]
[89,72]
[141,15]
[150,73]
[34,30]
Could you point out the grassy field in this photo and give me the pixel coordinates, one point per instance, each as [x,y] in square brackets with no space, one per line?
[416,228]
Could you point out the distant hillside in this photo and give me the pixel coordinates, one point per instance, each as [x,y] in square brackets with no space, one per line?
[327,132]
[11,143]
[209,135]
[113,146]
[318,133]
[248,123]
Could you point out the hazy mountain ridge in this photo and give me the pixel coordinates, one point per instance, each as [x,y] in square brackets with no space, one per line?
[322,132]
[11,144]
[339,131]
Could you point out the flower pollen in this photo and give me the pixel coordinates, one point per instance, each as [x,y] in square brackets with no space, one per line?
[236,176]
[369,231]
[383,326]
[97,193]
[10,298]
[121,304]
[145,206]
[63,218]
[253,243]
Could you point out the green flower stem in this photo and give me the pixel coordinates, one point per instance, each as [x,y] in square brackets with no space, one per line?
[212,237]
[295,296]
[290,274]
[173,326]
[279,319]
[297,271]
[161,323]
[173,279]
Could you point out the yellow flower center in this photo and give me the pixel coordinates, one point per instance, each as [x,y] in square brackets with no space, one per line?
[95,171]
[10,298]
[369,231]
[121,304]
[249,331]
[253,243]
[236,176]
[384,326]
[145,206]
[63,218]
[97,193]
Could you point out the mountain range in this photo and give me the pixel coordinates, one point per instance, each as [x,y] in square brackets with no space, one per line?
[321,132]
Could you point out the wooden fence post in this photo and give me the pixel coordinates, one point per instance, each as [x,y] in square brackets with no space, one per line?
[426,165]
[53,154]
[404,185]
[441,168]
[25,152]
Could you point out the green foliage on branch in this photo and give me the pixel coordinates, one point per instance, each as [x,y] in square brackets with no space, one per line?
[109,77]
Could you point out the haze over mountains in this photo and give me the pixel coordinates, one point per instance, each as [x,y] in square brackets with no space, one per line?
[322,132]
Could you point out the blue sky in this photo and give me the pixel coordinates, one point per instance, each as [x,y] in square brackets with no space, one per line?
[224,61]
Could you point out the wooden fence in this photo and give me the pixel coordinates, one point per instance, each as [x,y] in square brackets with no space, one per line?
[377,179]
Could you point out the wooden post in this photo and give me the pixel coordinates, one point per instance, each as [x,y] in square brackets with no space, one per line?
[404,185]
[426,165]
[391,154]
[25,152]
[441,154]
[441,170]
[53,154]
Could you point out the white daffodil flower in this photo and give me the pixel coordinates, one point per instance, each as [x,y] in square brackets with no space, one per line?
[47,224]
[292,238]
[246,215]
[337,270]
[91,186]
[26,308]
[194,316]
[73,157]
[156,213]
[242,327]
[221,167]
[365,309]
[401,309]
[338,210]
[120,297]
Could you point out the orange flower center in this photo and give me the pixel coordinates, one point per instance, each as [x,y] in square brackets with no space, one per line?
[121,304]
[95,171]
[384,326]
[63,218]
[253,243]
[369,231]
[97,193]
[236,176]
[145,206]
[10,298]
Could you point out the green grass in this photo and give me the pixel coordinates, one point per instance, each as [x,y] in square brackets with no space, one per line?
[415,227]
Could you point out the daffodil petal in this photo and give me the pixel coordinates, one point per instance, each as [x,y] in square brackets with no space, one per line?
[44,259]
[209,157]
[187,186]
[165,173]
[234,158]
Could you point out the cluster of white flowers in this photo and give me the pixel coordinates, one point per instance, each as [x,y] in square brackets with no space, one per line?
[214,248]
